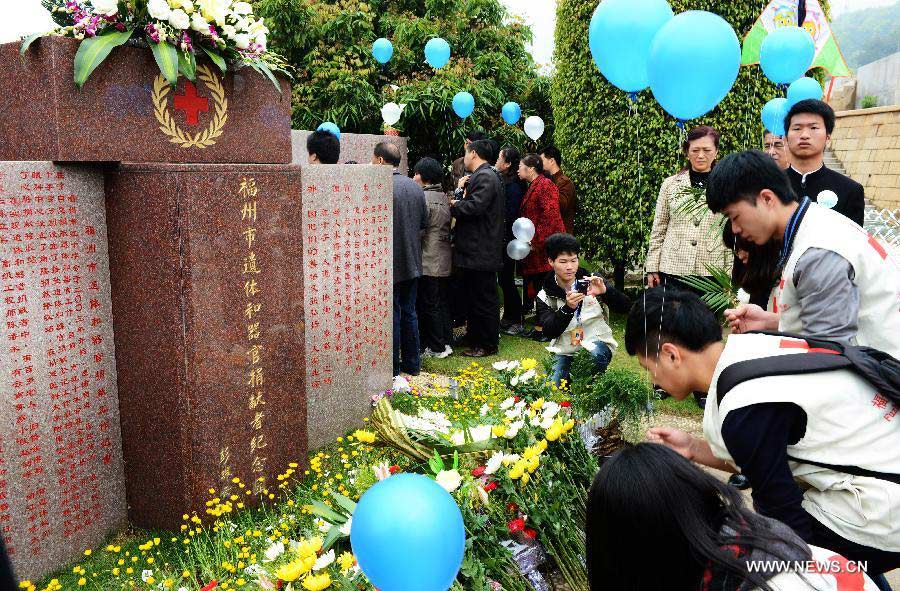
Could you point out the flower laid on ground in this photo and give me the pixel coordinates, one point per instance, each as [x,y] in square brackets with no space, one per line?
[178,31]
[507,455]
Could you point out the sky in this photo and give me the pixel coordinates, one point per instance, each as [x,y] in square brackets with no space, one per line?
[22,17]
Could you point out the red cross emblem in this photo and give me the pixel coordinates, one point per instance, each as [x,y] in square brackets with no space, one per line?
[191,103]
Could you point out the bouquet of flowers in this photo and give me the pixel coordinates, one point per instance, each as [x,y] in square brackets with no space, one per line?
[177,31]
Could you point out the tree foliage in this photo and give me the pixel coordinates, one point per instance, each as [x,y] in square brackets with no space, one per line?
[618,153]
[868,35]
[329,44]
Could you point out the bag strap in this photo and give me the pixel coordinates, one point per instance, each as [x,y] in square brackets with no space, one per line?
[853,470]
[779,365]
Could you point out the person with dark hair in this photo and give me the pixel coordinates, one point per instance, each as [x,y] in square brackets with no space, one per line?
[435,329]
[570,309]
[755,267]
[458,169]
[685,244]
[809,124]
[540,205]
[775,146]
[410,219]
[322,147]
[802,440]
[477,247]
[551,158]
[512,321]
[706,539]
[836,281]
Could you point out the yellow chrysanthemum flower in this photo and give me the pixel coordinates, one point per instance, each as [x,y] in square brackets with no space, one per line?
[317,582]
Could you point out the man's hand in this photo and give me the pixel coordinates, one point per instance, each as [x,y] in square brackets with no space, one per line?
[462,182]
[749,317]
[652,280]
[679,441]
[453,202]
[573,298]
[597,287]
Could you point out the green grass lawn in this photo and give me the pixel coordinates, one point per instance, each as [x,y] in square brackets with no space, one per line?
[519,348]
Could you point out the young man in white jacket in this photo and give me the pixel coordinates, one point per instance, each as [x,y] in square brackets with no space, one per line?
[790,435]
[837,282]
[570,308]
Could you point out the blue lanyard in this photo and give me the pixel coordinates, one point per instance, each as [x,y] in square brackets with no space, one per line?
[791,230]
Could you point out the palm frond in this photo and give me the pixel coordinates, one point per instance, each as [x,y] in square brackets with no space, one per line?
[717,291]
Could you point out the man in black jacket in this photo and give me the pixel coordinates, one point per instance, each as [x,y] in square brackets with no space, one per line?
[569,309]
[809,124]
[478,247]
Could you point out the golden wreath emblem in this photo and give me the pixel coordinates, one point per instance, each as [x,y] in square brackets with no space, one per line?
[167,125]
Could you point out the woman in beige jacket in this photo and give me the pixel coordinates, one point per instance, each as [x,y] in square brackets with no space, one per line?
[683,244]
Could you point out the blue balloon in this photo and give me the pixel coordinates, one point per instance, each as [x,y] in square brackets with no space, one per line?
[773,114]
[620,36]
[694,61]
[463,104]
[786,54]
[437,53]
[382,50]
[511,112]
[408,534]
[330,128]
[802,89]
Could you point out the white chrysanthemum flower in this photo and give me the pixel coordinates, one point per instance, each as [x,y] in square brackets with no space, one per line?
[229,32]
[508,403]
[105,7]
[494,463]
[480,433]
[324,560]
[199,24]
[242,8]
[550,409]
[484,409]
[274,551]
[513,429]
[179,19]
[159,9]
[514,413]
[345,529]
[146,575]
[449,480]
[527,376]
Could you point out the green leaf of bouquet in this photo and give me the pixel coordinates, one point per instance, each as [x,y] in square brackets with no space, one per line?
[187,65]
[331,537]
[262,67]
[93,50]
[166,57]
[346,504]
[327,513]
[27,41]
[216,58]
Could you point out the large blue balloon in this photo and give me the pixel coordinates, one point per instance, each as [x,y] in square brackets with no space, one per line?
[786,54]
[802,89]
[620,36]
[773,114]
[511,112]
[382,50]
[408,534]
[330,128]
[437,53]
[463,104]
[694,61]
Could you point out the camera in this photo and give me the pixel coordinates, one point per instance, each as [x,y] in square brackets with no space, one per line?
[581,285]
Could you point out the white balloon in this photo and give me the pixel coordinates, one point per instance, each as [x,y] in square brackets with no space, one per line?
[391,113]
[534,127]
[523,229]
[517,250]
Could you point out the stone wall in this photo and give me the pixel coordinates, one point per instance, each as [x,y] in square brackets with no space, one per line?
[867,142]
[880,79]
[355,147]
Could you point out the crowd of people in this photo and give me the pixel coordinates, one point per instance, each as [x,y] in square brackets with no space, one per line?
[801,399]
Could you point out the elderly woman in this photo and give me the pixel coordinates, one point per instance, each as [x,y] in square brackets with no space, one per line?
[684,243]
[541,205]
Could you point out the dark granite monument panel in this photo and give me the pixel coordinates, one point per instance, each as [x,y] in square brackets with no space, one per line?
[207,284]
[127,112]
[61,481]
[356,147]
[348,293]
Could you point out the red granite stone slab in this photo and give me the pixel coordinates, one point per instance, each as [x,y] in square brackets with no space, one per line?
[180,259]
[125,112]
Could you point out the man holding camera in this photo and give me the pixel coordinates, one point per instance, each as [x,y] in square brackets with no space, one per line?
[570,310]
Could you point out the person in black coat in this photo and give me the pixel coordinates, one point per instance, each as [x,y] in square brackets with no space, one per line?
[479,210]
[508,166]
[809,124]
